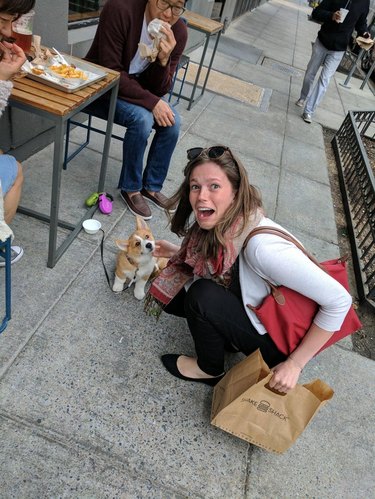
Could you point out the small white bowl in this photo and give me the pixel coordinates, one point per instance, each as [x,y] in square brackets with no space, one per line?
[91,226]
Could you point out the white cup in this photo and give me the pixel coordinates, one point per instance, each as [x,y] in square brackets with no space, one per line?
[343,14]
[91,225]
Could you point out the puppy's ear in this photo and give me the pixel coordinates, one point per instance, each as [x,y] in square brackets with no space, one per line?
[122,244]
[141,224]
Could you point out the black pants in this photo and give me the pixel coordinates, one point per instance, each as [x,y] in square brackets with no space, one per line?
[216,317]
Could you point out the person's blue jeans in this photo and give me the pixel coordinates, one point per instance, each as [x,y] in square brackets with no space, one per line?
[330,60]
[139,123]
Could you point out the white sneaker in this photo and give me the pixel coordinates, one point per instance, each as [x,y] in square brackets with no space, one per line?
[16,253]
[300,102]
[307,117]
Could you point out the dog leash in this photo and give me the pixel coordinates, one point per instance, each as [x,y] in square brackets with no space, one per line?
[105,268]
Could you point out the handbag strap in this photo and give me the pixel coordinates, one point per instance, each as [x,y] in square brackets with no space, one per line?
[276,292]
[281,233]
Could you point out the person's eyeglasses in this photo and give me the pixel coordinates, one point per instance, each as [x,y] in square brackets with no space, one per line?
[214,152]
[176,10]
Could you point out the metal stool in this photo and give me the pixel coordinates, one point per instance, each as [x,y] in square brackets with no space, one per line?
[5,246]
[89,128]
[184,65]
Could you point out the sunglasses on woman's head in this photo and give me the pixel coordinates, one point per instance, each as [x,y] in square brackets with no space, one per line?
[215,152]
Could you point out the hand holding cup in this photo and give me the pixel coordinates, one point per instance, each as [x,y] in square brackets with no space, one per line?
[343,14]
[336,16]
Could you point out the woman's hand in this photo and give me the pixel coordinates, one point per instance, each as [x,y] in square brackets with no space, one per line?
[165,249]
[166,44]
[285,376]
[13,58]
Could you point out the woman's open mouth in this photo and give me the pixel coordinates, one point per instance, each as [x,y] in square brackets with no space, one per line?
[203,213]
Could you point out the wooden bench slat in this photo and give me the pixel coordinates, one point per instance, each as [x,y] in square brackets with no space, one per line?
[51,96]
[40,87]
[39,102]
[202,23]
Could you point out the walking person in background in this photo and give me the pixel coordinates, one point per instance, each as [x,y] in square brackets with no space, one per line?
[140,107]
[11,59]
[329,47]
[212,278]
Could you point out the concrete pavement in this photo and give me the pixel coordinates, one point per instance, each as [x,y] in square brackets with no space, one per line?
[86,408]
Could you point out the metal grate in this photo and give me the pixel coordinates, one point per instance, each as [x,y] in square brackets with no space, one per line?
[280,66]
[357,185]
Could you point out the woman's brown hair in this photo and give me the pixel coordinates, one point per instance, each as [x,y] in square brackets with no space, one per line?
[247,200]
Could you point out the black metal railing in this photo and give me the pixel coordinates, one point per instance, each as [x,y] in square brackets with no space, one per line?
[357,184]
[243,6]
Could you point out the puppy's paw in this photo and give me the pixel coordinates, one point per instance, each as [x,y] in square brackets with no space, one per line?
[118,285]
[139,289]
[139,294]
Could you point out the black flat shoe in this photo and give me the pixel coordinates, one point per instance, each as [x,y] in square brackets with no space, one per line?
[170,363]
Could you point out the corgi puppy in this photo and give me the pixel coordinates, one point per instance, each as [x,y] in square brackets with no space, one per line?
[135,261]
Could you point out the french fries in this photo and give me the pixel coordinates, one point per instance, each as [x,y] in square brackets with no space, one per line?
[66,71]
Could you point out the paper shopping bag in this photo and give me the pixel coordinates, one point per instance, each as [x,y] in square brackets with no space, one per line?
[243,406]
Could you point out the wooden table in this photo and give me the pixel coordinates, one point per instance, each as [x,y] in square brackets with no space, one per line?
[210,28]
[59,106]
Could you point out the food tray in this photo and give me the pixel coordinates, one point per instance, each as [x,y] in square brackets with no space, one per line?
[69,85]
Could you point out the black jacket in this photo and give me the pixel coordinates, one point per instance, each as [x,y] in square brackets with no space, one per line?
[336,36]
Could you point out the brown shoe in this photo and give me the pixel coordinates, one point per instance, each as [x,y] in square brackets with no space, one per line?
[159,200]
[137,205]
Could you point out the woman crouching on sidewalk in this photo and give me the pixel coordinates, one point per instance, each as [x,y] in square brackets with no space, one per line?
[211,278]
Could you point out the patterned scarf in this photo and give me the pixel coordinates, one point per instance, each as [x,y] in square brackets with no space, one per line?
[189,262]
